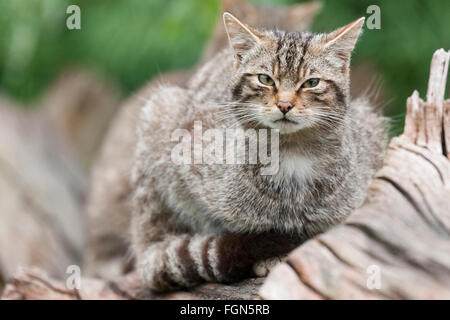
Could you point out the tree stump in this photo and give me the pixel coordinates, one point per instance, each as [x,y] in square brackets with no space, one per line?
[395,246]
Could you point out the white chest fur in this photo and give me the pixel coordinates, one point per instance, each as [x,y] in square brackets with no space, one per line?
[296,166]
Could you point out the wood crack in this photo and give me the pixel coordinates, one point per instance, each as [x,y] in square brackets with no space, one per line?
[305,282]
[419,209]
[400,253]
[334,253]
[438,170]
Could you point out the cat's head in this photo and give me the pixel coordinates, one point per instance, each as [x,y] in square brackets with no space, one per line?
[295,17]
[291,80]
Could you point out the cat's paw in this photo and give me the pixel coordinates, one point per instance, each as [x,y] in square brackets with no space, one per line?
[263,267]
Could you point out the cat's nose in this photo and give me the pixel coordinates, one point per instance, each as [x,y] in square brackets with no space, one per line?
[285,105]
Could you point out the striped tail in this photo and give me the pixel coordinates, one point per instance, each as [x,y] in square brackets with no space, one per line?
[186,261]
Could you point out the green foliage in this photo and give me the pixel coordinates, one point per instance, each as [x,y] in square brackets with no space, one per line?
[127,40]
[130,41]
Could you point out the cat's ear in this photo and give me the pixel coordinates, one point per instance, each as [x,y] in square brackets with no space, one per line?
[242,37]
[343,40]
[301,15]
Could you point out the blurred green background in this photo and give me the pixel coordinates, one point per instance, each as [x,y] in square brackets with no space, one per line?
[129,41]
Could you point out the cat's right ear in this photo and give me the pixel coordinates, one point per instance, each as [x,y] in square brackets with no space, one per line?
[343,40]
[242,37]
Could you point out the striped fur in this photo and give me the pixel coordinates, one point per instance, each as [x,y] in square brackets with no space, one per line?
[108,209]
[194,223]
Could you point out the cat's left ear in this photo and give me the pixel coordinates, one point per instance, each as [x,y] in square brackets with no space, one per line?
[242,37]
[343,40]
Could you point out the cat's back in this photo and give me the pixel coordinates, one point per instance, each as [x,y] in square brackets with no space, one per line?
[370,134]
[211,82]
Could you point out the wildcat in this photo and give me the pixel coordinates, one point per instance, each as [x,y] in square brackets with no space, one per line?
[197,222]
[108,211]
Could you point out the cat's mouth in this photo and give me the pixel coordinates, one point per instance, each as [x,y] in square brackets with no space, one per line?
[285,120]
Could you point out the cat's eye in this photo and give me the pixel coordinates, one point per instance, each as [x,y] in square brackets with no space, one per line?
[311,83]
[266,80]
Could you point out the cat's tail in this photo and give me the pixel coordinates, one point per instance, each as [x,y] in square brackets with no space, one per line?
[185,260]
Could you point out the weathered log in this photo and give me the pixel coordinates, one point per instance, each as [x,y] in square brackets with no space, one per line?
[41,195]
[32,284]
[397,245]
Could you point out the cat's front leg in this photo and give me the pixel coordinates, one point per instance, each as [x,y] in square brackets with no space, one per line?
[263,267]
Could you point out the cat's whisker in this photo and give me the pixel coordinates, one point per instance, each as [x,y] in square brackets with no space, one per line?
[238,116]
[329,123]
[242,118]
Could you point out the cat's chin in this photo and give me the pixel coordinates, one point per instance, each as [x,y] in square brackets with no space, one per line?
[290,129]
